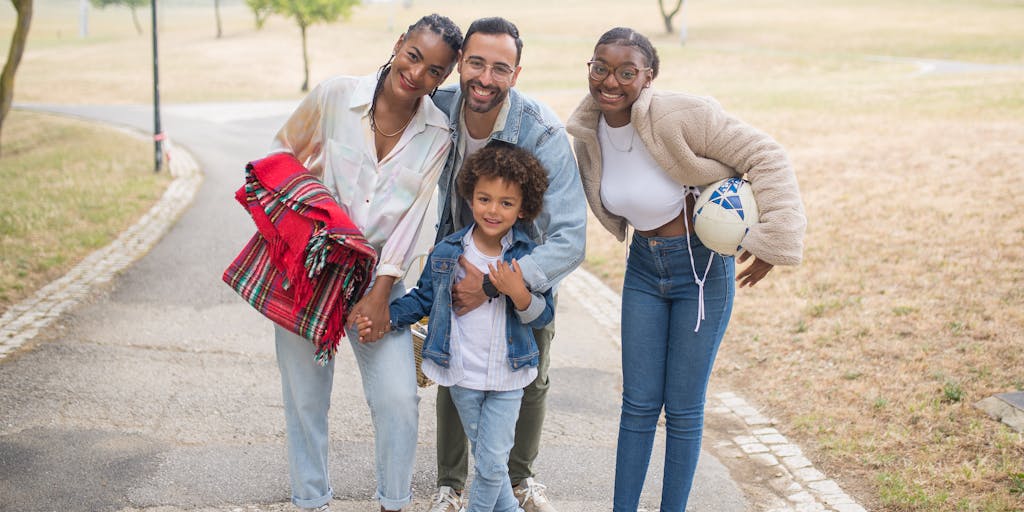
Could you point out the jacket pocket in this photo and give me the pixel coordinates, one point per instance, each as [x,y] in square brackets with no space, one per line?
[443,266]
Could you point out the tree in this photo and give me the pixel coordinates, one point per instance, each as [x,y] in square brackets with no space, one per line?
[18,40]
[308,12]
[667,17]
[261,9]
[132,5]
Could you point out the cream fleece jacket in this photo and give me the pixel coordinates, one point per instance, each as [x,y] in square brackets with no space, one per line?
[697,143]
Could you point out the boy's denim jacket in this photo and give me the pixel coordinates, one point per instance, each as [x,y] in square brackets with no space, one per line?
[433,295]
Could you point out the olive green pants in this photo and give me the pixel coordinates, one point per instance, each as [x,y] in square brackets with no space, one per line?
[453,448]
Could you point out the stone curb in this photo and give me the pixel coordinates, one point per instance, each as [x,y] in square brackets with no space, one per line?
[25,320]
[802,487]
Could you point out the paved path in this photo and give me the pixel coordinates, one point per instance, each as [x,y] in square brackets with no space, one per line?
[147,384]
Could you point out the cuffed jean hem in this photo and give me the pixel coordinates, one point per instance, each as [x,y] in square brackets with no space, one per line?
[315,502]
[389,504]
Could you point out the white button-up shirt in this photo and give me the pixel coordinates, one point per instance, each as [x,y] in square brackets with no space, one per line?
[330,134]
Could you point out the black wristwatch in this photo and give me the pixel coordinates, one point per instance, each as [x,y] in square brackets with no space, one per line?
[489,289]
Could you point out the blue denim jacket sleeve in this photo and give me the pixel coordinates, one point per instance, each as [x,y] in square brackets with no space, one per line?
[411,307]
[540,312]
[562,222]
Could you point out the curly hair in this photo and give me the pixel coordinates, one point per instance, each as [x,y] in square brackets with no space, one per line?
[512,164]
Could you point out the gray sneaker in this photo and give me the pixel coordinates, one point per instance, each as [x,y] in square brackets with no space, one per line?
[531,497]
[326,507]
[446,500]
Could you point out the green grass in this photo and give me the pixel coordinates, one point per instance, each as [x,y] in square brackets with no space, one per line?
[69,189]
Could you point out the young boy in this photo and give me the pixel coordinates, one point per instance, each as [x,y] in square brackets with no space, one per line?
[488,355]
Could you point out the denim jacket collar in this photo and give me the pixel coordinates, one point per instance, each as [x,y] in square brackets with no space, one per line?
[517,235]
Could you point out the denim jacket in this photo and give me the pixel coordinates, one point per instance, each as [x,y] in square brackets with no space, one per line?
[560,231]
[433,295]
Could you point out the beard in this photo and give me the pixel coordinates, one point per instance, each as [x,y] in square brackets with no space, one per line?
[478,106]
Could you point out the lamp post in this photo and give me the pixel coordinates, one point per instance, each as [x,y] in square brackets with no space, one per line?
[158,135]
[83,18]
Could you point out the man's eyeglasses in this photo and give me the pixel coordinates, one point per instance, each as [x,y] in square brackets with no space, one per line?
[500,72]
[624,74]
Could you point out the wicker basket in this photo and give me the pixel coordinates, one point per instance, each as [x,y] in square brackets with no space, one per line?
[419,333]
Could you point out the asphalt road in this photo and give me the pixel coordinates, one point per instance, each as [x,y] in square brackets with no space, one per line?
[162,391]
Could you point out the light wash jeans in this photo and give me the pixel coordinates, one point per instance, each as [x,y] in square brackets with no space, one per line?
[665,363]
[489,419]
[388,372]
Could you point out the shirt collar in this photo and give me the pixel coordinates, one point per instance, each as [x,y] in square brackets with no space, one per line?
[499,122]
[426,113]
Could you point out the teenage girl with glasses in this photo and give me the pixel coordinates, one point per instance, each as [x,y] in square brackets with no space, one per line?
[643,154]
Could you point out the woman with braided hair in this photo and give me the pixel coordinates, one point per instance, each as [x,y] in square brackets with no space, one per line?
[378,144]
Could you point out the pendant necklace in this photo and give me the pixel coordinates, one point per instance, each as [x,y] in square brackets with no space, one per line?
[611,140]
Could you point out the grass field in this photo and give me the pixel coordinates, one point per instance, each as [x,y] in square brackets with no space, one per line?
[70,187]
[909,306]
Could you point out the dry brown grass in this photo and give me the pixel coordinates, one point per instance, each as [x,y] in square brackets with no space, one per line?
[70,187]
[909,306]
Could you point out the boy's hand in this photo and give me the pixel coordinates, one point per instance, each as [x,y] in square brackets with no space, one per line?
[374,306]
[508,279]
[361,324]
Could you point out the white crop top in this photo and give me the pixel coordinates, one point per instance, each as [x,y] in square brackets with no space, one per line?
[633,185]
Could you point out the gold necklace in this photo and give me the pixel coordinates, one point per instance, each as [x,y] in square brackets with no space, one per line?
[373,126]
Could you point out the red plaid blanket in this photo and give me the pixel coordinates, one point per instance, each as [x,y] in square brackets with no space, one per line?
[308,263]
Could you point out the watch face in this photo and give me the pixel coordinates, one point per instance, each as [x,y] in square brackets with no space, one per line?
[489,289]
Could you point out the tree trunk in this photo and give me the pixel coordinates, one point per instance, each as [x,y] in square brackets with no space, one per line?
[18,40]
[667,16]
[216,10]
[135,20]
[305,60]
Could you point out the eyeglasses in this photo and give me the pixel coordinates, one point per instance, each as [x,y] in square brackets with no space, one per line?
[499,72]
[624,74]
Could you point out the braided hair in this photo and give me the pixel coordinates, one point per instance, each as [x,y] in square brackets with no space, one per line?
[441,25]
[628,37]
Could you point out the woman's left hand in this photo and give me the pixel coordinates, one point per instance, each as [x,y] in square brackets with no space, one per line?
[374,308]
[754,272]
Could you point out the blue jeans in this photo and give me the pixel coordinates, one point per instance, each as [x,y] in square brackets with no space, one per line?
[665,363]
[388,371]
[489,419]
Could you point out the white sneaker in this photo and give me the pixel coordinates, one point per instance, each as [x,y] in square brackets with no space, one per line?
[531,496]
[326,507]
[446,500]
